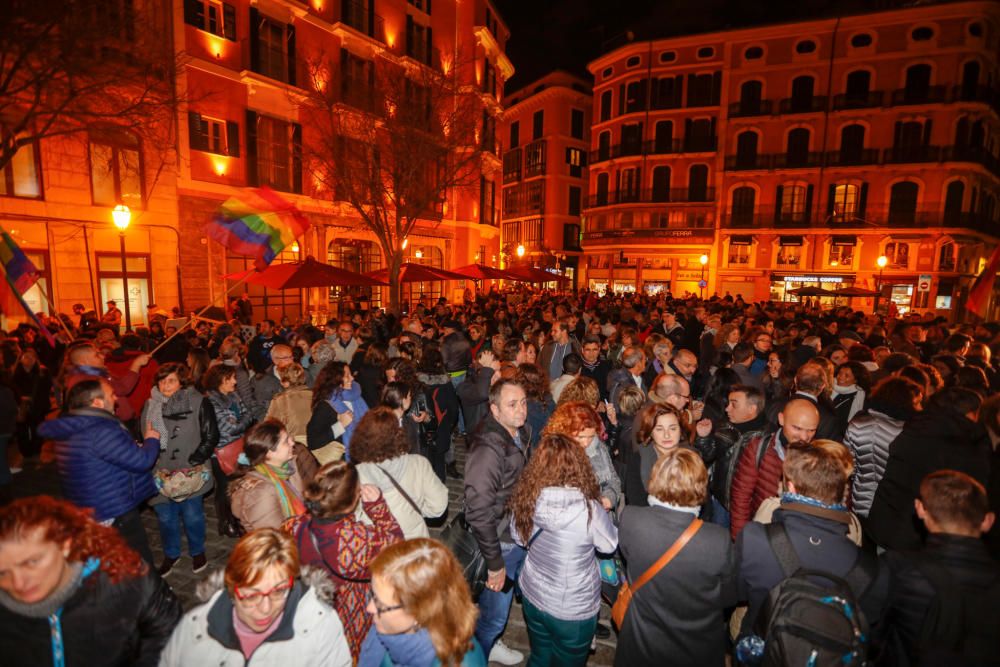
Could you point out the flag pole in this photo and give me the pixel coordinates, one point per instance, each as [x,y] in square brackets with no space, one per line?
[52,309]
[197,315]
[31,315]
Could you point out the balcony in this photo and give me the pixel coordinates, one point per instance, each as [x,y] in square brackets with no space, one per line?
[523,232]
[872,217]
[747,162]
[929,95]
[534,158]
[746,109]
[354,13]
[765,218]
[512,165]
[654,147]
[852,158]
[873,98]
[699,144]
[652,196]
[662,146]
[791,105]
[904,154]
[796,160]
[695,226]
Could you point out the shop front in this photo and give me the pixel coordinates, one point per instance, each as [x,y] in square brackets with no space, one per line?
[782,285]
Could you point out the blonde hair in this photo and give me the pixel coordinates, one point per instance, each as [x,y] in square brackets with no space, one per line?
[293,375]
[679,477]
[581,389]
[430,586]
[258,551]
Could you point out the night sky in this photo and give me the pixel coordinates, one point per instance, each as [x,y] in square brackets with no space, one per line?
[566,34]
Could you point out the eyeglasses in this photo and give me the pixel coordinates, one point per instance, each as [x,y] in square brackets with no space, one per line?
[379,607]
[277,594]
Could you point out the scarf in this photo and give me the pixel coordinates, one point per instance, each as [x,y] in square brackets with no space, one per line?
[858,401]
[788,497]
[51,607]
[410,649]
[154,415]
[338,401]
[656,502]
[291,503]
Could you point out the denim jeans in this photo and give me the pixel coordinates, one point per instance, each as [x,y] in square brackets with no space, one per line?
[557,642]
[170,515]
[494,607]
[720,515]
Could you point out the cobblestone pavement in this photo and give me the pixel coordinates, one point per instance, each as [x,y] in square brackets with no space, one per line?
[41,478]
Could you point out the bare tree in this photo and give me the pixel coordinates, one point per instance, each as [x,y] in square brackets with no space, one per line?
[392,142]
[71,66]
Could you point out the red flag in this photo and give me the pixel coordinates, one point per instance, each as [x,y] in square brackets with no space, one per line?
[979,295]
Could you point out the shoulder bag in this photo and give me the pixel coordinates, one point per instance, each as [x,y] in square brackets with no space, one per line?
[626,592]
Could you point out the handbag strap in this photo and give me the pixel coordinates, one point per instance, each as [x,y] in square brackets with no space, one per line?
[416,508]
[668,556]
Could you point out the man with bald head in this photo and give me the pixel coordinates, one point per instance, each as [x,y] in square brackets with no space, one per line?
[758,470]
[267,384]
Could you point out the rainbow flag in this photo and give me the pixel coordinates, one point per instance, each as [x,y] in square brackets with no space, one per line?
[20,276]
[979,294]
[259,223]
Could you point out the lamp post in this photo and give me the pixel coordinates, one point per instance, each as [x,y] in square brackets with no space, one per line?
[701,283]
[881,261]
[122,216]
[520,251]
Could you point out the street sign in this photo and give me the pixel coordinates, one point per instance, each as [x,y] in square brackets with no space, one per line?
[703,284]
[924,283]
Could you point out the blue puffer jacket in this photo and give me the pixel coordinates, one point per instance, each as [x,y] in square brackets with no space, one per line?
[99,463]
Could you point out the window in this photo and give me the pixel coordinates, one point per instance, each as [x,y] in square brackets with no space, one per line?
[946,257]
[903,203]
[668,56]
[576,123]
[976,29]
[845,202]
[797,154]
[534,158]
[698,183]
[858,86]
[628,185]
[22,176]
[953,200]
[751,93]
[841,252]
[604,146]
[746,150]
[699,134]
[601,196]
[861,40]
[214,16]
[608,71]
[419,42]
[918,83]
[606,105]
[632,62]
[793,203]
[789,253]
[631,139]
[739,253]
[635,96]
[487,201]
[575,159]
[277,159]
[357,256]
[805,46]
[703,89]
[970,80]
[538,124]
[898,255]
[661,183]
[574,200]
[109,278]
[666,92]
[489,77]
[571,237]
[425,7]
[922,34]
[663,140]
[753,53]
[744,203]
[115,168]
[213,135]
[271,49]
[802,94]
[706,52]
[515,134]
[852,143]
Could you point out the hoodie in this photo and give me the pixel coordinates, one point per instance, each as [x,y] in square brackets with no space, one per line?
[100,466]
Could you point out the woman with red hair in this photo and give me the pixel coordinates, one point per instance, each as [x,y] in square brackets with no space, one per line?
[580,423]
[73,593]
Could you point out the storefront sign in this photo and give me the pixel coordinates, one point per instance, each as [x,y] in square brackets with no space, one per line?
[813,279]
[662,235]
[924,283]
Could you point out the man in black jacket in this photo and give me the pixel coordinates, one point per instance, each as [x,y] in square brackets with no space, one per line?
[474,392]
[594,367]
[810,384]
[498,451]
[944,436]
[942,602]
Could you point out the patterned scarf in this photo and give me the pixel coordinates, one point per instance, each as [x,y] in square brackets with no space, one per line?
[291,503]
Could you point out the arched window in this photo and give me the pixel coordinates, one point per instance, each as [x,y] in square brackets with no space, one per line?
[852,144]
[746,150]
[953,199]
[606,105]
[918,83]
[946,256]
[751,93]
[742,208]
[661,183]
[846,202]
[970,80]
[859,83]
[802,94]
[601,197]
[794,203]
[903,204]
[698,183]
[664,136]
[797,153]
[604,146]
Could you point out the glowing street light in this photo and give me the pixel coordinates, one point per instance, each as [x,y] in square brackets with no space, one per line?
[121,216]
[520,251]
[701,283]
[881,261]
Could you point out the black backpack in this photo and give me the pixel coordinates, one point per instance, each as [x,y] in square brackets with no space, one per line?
[808,624]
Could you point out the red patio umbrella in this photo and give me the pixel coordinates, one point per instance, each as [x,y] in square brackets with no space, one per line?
[309,273]
[481,272]
[417,273]
[855,291]
[529,274]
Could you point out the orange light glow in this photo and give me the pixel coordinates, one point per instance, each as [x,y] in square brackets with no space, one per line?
[220,165]
[390,37]
[215,44]
[318,5]
[320,79]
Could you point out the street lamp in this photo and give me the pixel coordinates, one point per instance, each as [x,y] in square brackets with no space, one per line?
[881,261]
[701,283]
[122,216]
[520,251]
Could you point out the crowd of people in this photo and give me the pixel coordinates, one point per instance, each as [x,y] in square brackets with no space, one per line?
[742,483]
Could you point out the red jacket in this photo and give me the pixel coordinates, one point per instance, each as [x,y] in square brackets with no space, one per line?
[753,483]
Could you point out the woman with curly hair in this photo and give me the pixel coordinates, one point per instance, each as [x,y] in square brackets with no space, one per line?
[72,592]
[337,406]
[557,515]
[333,536]
[581,423]
[411,489]
[421,609]
[540,404]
